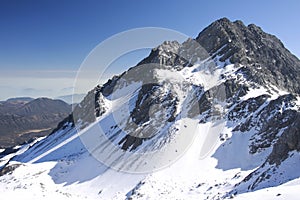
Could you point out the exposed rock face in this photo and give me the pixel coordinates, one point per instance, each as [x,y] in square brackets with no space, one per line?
[8,169]
[167,54]
[176,55]
[289,141]
[91,106]
[266,59]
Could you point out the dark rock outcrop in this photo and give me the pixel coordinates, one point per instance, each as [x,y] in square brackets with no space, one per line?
[266,59]
[289,141]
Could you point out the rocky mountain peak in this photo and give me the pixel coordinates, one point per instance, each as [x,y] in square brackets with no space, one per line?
[264,57]
[238,37]
[167,46]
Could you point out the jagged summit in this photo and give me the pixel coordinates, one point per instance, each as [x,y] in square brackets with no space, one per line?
[266,59]
[224,32]
[263,56]
[168,46]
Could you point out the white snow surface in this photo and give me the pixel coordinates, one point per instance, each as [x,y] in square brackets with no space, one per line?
[286,191]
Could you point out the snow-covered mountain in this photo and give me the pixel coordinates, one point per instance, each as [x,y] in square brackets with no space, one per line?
[215,117]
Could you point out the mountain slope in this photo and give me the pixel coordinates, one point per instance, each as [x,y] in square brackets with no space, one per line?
[28,119]
[13,103]
[211,118]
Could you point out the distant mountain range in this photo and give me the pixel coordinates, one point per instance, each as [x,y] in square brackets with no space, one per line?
[13,103]
[24,118]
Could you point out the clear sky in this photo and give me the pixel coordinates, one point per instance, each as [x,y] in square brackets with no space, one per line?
[43,43]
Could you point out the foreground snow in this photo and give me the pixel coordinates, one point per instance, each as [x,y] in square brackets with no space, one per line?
[289,190]
[79,176]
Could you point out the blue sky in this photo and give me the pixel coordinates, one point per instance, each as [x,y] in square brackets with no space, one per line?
[43,43]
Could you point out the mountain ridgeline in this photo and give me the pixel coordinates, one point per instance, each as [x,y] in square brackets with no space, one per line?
[260,58]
